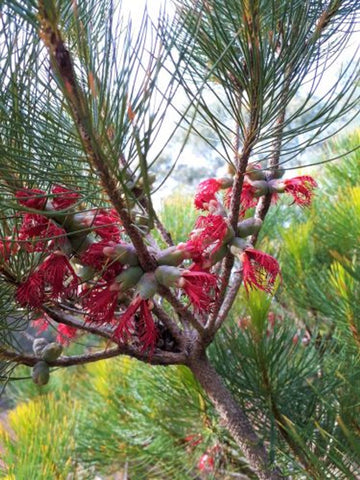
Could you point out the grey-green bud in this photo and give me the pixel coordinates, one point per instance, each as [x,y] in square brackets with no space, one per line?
[40,373]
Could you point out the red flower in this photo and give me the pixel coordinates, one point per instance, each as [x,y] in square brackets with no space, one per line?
[63,197]
[199,287]
[31,293]
[143,325]
[248,198]
[36,231]
[32,198]
[94,257]
[105,223]
[208,235]
[65,333]
[59,275]
[259,270]
[206,193]
[301,188]
[206,463]
[100,302]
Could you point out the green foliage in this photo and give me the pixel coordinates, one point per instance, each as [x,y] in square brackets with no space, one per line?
[38,441]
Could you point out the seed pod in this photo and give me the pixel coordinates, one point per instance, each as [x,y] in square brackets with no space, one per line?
[167,275]
[237,246]
[248,227]
[51,352]
[41,373]
[39,345]
[129,278]
[122,252]
[147,286]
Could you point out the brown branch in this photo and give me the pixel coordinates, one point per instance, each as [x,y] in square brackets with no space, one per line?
[157,358]
[60,316]
[63,67]
[234,418]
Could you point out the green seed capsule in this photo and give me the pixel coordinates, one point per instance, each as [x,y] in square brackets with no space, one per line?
[41,373]
[51,352]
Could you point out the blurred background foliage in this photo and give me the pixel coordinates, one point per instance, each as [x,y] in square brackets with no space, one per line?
[291,361]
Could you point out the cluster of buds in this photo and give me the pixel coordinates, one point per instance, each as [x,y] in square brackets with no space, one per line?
[84,256]
[213,237]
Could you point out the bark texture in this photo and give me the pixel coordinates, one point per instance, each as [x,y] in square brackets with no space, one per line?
[234,419]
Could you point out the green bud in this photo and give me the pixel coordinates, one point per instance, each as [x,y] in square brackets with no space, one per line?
[219,254]
[124,253]
[167,275]
[172,256]
[229,235]
[237,246]
[129,278]
[39,345]
[147,286]
[261,187]
[276,186]
[248,227]
[51,352]
[226,182]
[86,273]
[41,373]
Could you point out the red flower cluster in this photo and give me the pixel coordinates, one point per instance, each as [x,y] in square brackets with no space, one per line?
[301,188]
[206,193]
[62,198]
[95,257]
[138,320]
[259,270]
[200,288]
[105,223]
[100,301]
[53,279]
[207,237]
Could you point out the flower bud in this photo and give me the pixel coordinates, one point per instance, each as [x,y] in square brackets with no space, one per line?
[167,275]
[123,253]
[129,278]
[86,273]
[237,246]
[254,171]
[173,255]
[218,255]
[147,286]
[225,182]
[261,187]
[41,373]
[51,352]
[39,345]
[276,186]
[248,227]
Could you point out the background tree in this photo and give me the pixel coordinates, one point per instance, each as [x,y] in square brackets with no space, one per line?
[77,146]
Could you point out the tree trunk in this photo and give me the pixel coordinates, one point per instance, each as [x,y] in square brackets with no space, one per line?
[234,419]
